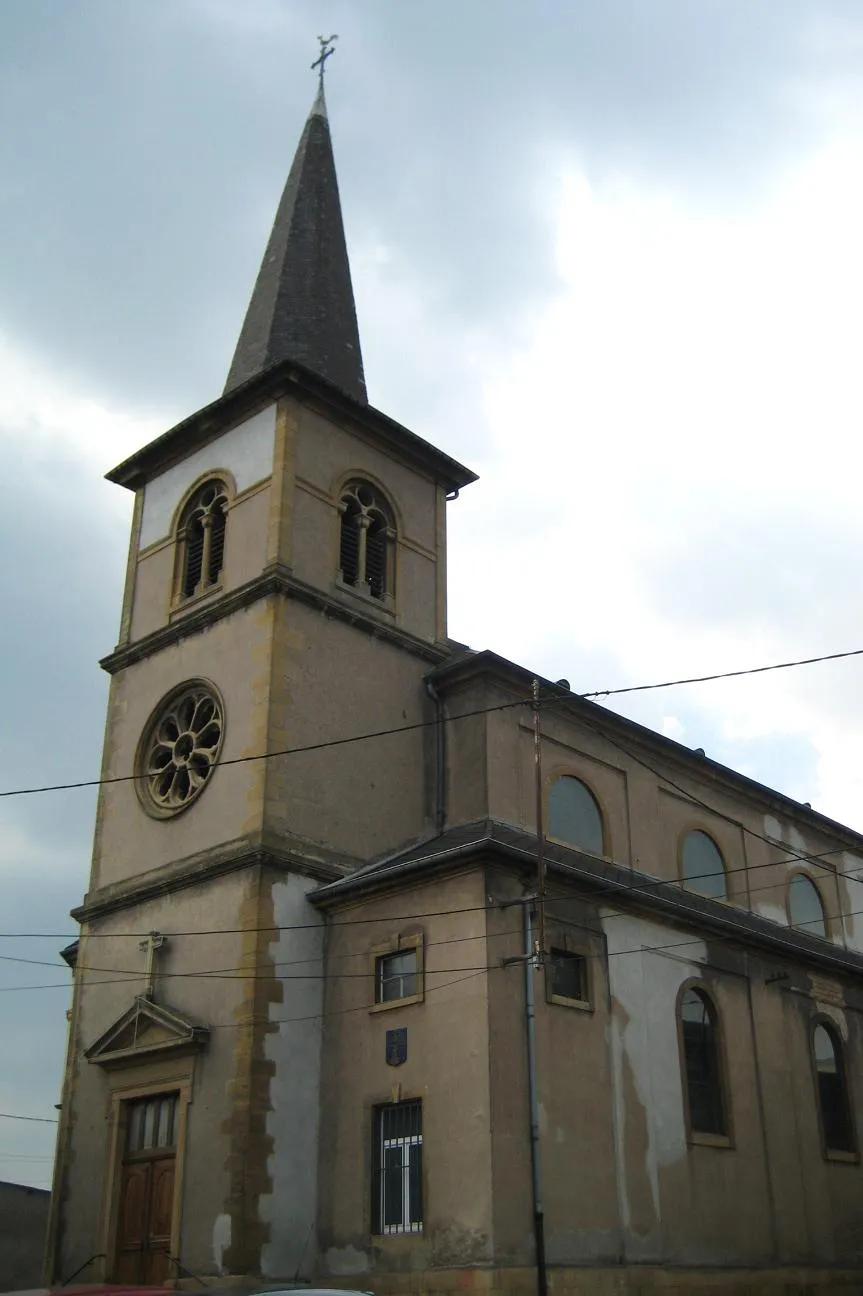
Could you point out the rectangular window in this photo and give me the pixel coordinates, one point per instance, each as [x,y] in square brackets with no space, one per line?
[567,973]
[397,1171]
[396,976]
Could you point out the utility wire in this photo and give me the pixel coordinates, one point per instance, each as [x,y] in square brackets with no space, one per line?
[735,674]
[428,724]
[42,1120]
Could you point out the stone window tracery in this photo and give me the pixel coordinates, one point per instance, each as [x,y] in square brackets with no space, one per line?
[366,540]
[201,539]
[179,749]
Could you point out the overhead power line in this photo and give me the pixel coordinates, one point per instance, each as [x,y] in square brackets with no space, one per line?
[42,1120]
[428,724]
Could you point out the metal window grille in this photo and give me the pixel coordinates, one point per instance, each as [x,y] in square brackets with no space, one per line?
[396,976]
[397,1177]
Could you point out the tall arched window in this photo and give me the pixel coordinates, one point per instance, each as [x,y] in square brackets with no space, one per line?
[805,909]
[705,1099]
[837,1130]
[703,866]
[201,539]
[366,540]
[574,816]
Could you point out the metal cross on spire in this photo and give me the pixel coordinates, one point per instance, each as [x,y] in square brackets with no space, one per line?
[326,44]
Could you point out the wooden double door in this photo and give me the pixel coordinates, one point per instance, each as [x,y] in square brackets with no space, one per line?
[143,1245]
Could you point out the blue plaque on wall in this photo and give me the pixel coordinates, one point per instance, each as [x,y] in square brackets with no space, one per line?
[397,1046]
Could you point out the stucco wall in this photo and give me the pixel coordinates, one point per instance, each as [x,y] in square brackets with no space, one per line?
[446,1067]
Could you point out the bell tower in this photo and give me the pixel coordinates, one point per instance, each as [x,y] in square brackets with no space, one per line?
[285,597]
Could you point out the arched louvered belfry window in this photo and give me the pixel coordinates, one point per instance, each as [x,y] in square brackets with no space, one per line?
[834,1106]
[805,906]
[366,540]
[201,539]
[706,1107]
[574,816]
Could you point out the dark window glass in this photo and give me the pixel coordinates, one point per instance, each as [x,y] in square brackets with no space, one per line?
[832,1091]
[151,1123]
[703,866]
[397,1169]
[396,976]
[804,906]
[701,1058]
[573,815]
[568,975]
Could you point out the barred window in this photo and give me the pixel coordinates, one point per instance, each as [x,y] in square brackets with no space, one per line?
[201,539]
[366,540]
[397,1205]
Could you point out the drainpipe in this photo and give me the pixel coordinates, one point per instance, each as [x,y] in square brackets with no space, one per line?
[440,758]
[531,956]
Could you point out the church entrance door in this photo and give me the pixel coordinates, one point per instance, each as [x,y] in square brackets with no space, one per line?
[147,1191]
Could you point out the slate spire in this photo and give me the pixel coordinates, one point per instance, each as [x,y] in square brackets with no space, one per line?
[302,306]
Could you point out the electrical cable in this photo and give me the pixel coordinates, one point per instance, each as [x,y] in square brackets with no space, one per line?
[425,724]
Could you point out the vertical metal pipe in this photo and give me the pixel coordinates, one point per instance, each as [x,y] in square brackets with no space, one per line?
[540,826]
[530,963]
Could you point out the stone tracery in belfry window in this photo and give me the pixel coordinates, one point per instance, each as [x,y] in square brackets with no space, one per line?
[366,540]
[179,748]
[201,539]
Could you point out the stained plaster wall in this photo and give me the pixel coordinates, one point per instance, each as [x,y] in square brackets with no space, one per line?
[447,1067]
[649,802]
[293,1046]
[111,946]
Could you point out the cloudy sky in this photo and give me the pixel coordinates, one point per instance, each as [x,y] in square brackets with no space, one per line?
[606,254]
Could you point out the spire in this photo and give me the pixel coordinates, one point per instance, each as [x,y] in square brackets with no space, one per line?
[302,307]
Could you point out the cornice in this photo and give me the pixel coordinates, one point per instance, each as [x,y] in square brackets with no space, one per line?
[203,867]
[276,580]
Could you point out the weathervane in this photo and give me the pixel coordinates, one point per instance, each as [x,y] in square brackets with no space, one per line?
[326,44]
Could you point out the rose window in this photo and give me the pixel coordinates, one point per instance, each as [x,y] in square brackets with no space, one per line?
[180,749]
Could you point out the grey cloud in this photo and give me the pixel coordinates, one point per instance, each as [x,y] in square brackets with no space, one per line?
[150,144]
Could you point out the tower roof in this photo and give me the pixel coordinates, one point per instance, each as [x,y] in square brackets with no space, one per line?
[302,307]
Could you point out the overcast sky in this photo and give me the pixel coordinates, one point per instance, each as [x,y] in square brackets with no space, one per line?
[608,255]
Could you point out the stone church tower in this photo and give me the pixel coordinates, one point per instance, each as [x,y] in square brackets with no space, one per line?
[286,589]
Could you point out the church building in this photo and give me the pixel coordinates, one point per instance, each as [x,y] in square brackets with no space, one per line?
[400,969]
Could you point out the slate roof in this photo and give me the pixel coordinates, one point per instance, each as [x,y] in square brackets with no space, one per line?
[631,887]
[302,307]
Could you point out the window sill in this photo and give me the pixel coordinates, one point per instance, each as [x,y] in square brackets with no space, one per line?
[710,1140]
[397,1003]
[182,605]
[385,604]
[843,1158]
[580,1005]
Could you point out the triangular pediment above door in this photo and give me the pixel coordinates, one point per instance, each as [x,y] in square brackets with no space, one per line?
[146,1029]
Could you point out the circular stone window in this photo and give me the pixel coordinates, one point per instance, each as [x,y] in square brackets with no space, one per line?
[179,748]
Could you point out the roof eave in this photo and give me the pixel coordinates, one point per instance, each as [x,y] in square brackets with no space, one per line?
[486,662]
[274,382]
